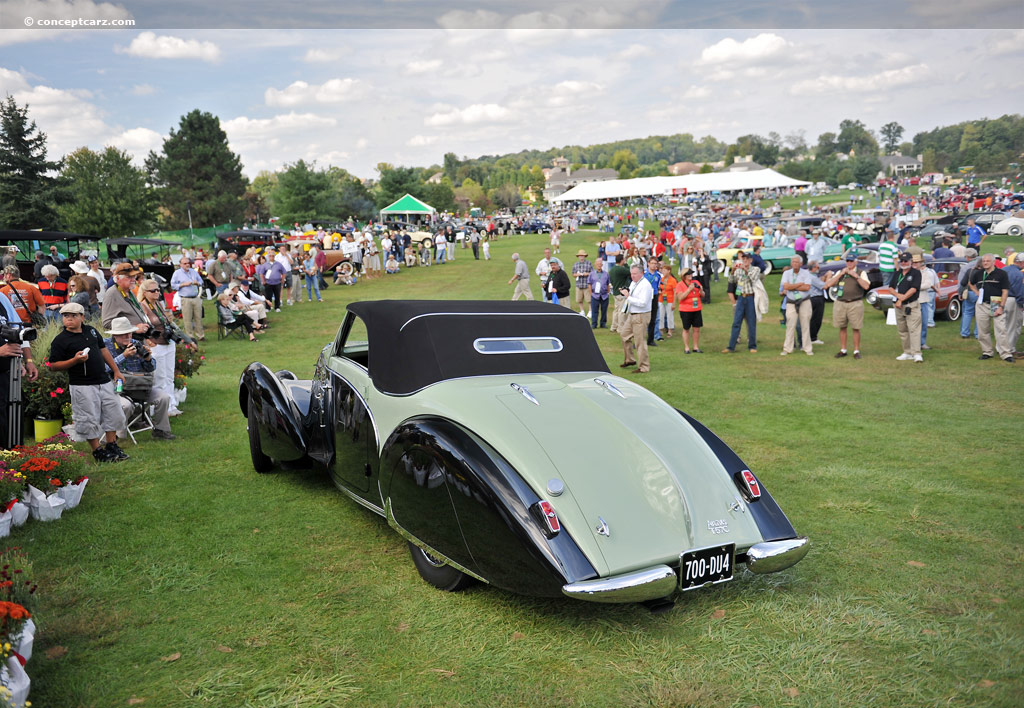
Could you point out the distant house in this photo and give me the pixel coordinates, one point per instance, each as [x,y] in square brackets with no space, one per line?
[435,178]
[898,165]
[561,179]
[742,164]
[683,168]
[561,162]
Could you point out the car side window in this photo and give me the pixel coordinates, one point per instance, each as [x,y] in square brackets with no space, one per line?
[354,342]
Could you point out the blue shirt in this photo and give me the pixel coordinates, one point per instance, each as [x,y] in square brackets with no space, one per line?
[186,283]
[8,308]
[598,283]
[132,365]
[1016,279]
[654,279]
[974,235]
[276,273]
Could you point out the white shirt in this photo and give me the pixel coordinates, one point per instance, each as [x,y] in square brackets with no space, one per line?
[641,294]
[543,268]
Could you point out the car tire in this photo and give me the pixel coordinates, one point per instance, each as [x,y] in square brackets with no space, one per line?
[721,266]
[1015,231]
[344,269]
[953,310]
[436,572]
[427,243]
[260,462]
[768,267]
[832,293]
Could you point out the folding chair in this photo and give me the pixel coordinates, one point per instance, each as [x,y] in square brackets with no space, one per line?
[229,327]
[138,420]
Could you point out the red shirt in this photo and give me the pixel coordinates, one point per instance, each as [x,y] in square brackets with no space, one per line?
[690,303]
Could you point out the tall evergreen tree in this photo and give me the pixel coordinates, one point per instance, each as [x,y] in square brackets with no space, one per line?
[109,196]
[197,166]
[28,192]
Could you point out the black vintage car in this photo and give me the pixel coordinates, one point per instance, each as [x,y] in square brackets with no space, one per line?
[475,429]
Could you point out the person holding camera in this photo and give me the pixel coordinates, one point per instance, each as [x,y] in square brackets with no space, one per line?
[135,359]
[906,285]
[165,335]
[80,351]
[119,300]
[848,310]
[15,362]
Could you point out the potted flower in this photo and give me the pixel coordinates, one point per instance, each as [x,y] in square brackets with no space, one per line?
[188,358]
[45,399]
[40,496]
[12,485]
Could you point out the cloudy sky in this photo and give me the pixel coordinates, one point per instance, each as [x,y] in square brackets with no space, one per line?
[459,77]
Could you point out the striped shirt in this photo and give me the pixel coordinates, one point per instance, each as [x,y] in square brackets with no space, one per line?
[887,252]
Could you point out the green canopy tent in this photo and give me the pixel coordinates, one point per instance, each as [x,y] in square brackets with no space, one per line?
[408,206]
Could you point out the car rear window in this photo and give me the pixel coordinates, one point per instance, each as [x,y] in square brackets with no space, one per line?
[517,345]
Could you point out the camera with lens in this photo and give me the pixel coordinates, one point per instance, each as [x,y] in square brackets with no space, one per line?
[143,336]
[16,334]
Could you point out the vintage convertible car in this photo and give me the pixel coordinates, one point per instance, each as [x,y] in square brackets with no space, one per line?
[493,438]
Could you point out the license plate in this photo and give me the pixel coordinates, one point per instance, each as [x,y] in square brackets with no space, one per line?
[706,566]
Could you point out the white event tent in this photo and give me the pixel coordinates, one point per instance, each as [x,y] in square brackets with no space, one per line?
[683,184]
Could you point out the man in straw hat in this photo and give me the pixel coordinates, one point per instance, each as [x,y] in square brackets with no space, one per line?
[581,270]
[135,358]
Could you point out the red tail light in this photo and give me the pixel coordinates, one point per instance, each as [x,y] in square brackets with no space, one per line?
[547,516]
[750,484]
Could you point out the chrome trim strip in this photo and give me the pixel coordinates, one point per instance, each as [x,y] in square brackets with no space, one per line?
[358,499]
[526,393]
[393,523]
[609,387]
[488,314]
[773,556]
[647,584]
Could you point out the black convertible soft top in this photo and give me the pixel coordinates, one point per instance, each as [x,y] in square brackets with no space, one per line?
[415,343]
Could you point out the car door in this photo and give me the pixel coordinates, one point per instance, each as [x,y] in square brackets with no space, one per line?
[355,437]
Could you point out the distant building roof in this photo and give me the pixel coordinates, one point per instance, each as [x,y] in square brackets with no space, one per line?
[746,166]
[893,160]
[683,168]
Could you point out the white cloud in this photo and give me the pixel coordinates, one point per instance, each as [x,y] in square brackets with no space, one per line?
[635,51]
[477,113]
[422,140]
[880,82]
[756,49]
[423,67]
[697,92]
[12,81]
[17,10]
[1008,43]
[302,93]
[138,141]
[578,87]
[325,56]
[152,46]
[260,128]
[143,90]
[68,118]
[362,143]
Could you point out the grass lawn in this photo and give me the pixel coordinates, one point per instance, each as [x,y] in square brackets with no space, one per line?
[186,579]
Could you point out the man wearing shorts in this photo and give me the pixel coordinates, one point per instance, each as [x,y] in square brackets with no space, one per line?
[848,311]
[80,351]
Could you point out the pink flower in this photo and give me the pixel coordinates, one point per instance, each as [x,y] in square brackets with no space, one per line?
[53,394]
[202,358]
[60,390]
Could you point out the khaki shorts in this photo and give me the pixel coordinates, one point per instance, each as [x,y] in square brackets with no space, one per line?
[848,314]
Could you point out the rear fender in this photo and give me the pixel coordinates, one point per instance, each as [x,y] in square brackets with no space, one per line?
[279,408]
[451,490]
[770,520]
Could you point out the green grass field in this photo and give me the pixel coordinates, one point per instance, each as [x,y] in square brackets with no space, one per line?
[185,579]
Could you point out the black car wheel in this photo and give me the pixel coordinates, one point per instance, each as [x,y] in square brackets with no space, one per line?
[953,309]
[260,462]
[437,572]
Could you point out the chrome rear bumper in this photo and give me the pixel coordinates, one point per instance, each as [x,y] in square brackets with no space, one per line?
[647,584]
[772,556]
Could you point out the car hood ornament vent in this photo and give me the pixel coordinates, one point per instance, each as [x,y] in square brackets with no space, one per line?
[526,393]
